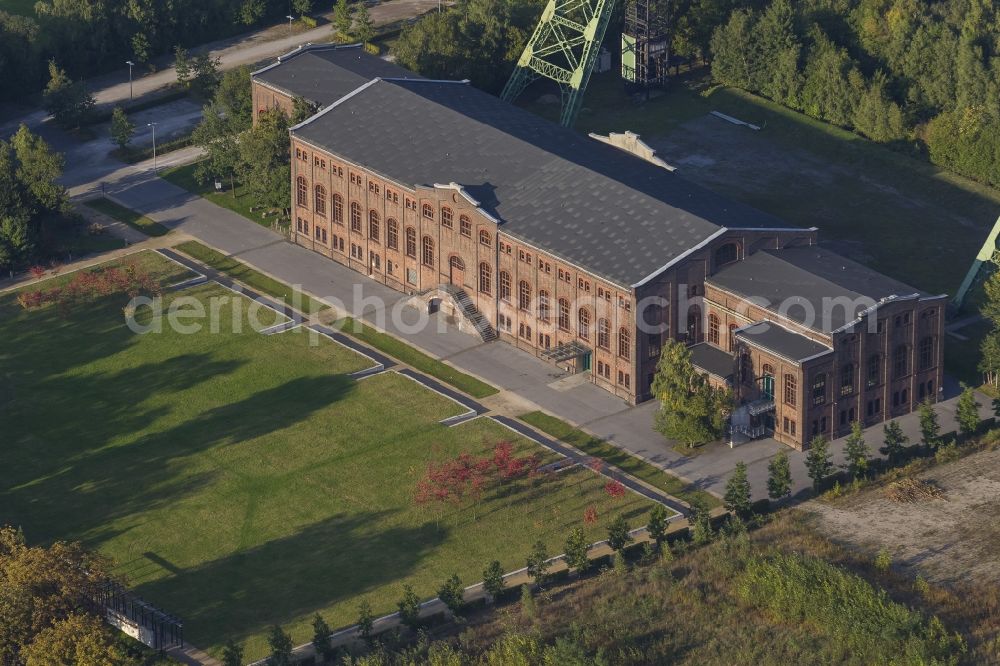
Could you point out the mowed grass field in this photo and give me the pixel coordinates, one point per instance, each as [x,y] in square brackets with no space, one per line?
[242,480]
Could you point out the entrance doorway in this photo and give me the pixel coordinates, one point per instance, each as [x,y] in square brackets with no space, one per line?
[585,362]
[456,271]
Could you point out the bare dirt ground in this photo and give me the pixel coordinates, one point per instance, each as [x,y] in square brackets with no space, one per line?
[950,540]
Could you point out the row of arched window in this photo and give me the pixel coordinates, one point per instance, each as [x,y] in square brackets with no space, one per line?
[319,203]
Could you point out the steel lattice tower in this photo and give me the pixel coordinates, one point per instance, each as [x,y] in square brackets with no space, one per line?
[645,52]
[563,48]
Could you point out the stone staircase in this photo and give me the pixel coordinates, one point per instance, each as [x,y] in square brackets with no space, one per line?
[471,313]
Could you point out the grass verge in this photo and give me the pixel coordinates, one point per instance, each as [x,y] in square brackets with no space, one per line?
[237,201]
[250,277]
[134,154]
[127,216]
[416,358]
[612,455]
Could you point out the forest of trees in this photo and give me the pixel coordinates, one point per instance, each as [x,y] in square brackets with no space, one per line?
[923,74]
[87,37]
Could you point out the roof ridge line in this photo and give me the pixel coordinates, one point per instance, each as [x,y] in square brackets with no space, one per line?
[304,48]
[334,105]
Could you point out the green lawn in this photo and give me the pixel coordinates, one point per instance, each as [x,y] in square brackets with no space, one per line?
[381,341]
[127,216]
[621,459]
[403,352]
[248,276]
[242,480]
[183,176]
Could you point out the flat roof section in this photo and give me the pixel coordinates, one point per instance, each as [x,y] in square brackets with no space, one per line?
[781,342]
[712,360]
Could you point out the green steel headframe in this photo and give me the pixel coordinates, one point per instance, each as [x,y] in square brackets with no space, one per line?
[563,48]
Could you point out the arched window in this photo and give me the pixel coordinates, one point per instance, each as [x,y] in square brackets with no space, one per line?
[428,211]
[819,389]
[465,226]
[373,225]
[485,238]
[524,295]
[505,286]
[694,324]
[791,390]
[320,200]
[485,277]
[713,329]
[926,352]
[427,251]
[446,218]
[301,192]
[356,217]
[767,381]
[583,323]
[874,370]
[847,379]
[543,305]
[411,242]
[624,343]
[456,262]
[899,361]
[338,209]
[563,314]
[392,234]
[726,254]
[603,334]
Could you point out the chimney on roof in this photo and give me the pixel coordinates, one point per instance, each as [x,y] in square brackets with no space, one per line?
[631,143]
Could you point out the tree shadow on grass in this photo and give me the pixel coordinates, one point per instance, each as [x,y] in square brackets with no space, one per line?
[87,487]
[285,579]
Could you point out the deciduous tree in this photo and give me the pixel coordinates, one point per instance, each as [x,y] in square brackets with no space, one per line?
[280,644]
[409,608]
[657,525]
[493,579]
[68,101]
[856,451]
[967,412]
[451,593]
[576,550]
[618,535]
[894,442]
[930,429]
[538,563]
[818,461]
[122,129]
[737,496]
[779,476]
[691,410]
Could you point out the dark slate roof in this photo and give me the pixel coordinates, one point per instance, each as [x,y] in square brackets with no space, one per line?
[780,341]
[307,72]
[613,213]
[712,360]
[804,278]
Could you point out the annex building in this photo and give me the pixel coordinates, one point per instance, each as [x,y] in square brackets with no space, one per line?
[590,251]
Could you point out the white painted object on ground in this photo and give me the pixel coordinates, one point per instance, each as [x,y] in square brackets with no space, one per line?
[735,121]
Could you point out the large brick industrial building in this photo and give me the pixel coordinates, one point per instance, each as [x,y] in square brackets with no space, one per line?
[589,251]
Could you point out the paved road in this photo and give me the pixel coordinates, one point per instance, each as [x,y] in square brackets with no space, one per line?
[247,49]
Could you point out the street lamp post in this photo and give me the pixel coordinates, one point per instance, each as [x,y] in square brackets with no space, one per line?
[130,66]
[290,19]
[153,125]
